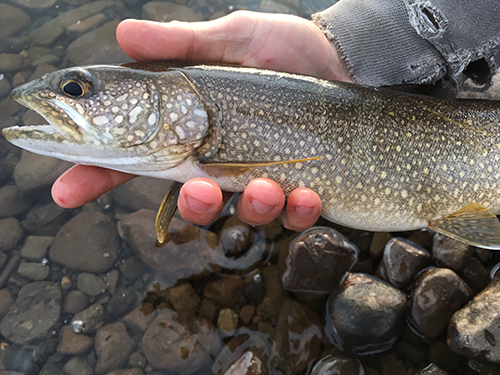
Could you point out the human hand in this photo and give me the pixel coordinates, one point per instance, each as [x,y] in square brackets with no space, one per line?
[271,41]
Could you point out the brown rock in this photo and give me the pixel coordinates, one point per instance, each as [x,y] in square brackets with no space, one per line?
[113,347]
[246,313]
[10,62]
[11,234]
[74,344]
[12,201]
[227,320]
[226,290]
[12,20]
[274,295]
[166,12]
[184,298]
[89,24]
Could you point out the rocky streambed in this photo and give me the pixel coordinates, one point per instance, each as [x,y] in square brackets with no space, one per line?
[85,291]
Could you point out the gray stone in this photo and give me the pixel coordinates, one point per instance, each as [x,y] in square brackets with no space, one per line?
[34,271]
[34,172]
[437,294]
[50,31]
[365,315]
[297,327]
[74,344]
[5,86]
[46,60]
[88,242]
[35,248]
[75,301]
[432,369]
[77,29]
[137,321]
[450,253]
[474,330]
[90,284]
[10,62]
[166,12]
[35,312]
[225,290]
[11,234]
[113,347]
[317,260]
[6,302]
[85,50]
[12,20]
[45,220]
[180,342]
[338,364]
[35,4]
[190,253]
[12,201]
[141,192]
[77,366]
[88,320]
[41,70]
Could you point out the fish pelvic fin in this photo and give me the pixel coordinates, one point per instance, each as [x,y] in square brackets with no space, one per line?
[473,224]
[166,213]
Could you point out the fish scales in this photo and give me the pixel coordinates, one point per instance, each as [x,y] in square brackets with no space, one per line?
[379,159]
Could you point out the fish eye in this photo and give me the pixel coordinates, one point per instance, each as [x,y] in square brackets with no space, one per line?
[73,89]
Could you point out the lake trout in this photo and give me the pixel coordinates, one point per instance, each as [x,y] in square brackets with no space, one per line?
[380,160]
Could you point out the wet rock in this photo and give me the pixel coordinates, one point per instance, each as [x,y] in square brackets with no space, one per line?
[338,364]
[88,242]
[12,201]
[297,327]
[74,344]
[35,4]
[246,313]
[41,70]
[274,294]
[6,301]
[272,6]
[365,315]
[402,260]
[35,312]
[85,50]
[166,12]
[235,236]
[225,290]
[188,254]
[45,60]
[11,234]
[77,366]
[180,342]
[112,279]
[133,268]
[227,321]
[317,260]
[50,31]
[8,107]
[141,192]
[88,320]
[75,301]
[208,310]
[5,87]
[45,220]
[440,354]
[80,28]
[185,298]
[10,267]
[137,321]
[129,371]
[12,20]
[10,62]
[113,347]
[378,243]
[21,359]
[437,294]
[90,284]
[432,369]
[35,247]
[474,330]
[475,275]
[45,350]
[254,288]
[34,271]
[391,364]
[36,172]
[248,353]
[120,303]
[451,253]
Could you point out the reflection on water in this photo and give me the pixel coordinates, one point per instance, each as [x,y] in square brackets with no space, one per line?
[85,291]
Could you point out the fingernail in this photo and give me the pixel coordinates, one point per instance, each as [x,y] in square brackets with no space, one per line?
[303,210]
[198,206]
[260,207]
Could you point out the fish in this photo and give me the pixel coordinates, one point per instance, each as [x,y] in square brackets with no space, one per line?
[380,160]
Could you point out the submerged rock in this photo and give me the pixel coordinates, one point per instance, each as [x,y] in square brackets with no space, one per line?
[141,192]
[365,315]
[11,234]
[180,342]
[12,201]
[12,20]
[167,11]
[35,312]
[474,330]
[437,294]
[338,364]
[317,260]
[113,347]
[451,253]
[88,242]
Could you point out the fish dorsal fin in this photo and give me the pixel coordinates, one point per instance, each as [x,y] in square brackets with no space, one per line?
[166,213]
[474,224]
[225,168]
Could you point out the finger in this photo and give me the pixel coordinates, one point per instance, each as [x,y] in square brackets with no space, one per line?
[303,209]
[200,201]
[81,184]
[261,202]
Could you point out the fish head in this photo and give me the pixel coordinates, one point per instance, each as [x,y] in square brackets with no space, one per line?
[112,116]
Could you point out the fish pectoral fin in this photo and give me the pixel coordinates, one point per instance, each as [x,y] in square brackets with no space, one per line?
[227,168]
[474,224]
[166,213]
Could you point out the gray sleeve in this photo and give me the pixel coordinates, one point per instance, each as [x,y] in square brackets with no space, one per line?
[392,42]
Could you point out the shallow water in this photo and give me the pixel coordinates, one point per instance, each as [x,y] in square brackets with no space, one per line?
[85,291]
